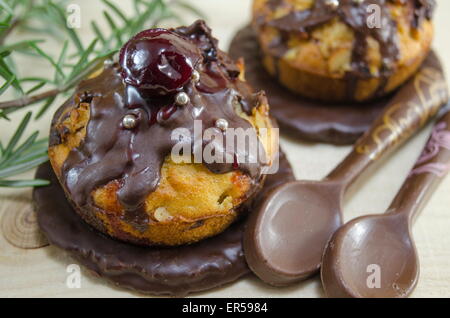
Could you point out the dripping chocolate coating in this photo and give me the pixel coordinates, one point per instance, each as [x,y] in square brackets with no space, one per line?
[134,156]
[354,14]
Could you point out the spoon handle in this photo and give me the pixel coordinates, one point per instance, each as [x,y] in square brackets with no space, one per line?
[432,166]
[411,108]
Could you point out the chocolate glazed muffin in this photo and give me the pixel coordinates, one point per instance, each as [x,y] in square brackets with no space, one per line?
[110,144]
[335,50]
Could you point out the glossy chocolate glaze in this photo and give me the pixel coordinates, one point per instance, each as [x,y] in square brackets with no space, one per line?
[134,156]
[354,14]
[154,270]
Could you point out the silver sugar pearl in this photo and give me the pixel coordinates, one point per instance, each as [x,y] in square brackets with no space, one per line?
[195,76]
[129,121]
[182,99]
[222,124]
[333,4]
[108,62]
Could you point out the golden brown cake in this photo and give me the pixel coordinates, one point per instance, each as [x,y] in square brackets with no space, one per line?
[343,50]
[119,174]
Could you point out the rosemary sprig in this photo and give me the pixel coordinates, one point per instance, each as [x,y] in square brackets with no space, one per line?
[17,158]
[74,62]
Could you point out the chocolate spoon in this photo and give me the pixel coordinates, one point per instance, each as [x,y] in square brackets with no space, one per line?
[375,255]
[285,237]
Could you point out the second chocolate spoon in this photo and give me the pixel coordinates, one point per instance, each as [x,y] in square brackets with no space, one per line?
[375,256]
[286,235]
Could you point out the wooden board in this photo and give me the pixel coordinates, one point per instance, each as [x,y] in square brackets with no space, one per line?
[43,272]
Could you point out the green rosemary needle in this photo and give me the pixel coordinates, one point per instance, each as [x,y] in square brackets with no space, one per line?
[44,19]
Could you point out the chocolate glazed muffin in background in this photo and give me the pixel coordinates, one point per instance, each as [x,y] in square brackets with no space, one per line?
[110,143]
[327,50]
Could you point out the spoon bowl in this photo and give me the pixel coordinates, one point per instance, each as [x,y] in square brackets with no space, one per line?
[371,256]
[278,238]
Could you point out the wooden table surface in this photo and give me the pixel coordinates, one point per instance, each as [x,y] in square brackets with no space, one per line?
[43,272]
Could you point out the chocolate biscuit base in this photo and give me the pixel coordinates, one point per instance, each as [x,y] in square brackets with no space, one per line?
[157,271]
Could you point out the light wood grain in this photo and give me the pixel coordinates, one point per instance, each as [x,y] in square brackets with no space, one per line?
[19,224]
[42,272]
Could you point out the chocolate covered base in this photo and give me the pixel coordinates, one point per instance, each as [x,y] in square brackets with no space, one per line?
[297,116]
[158,271]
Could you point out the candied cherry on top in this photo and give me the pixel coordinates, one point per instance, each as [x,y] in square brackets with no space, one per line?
[158,61]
